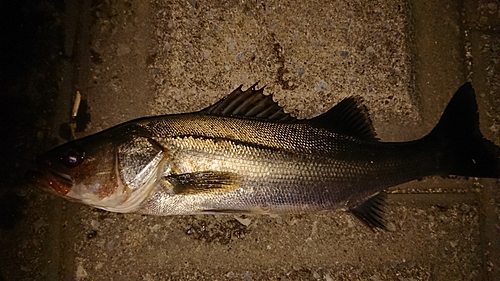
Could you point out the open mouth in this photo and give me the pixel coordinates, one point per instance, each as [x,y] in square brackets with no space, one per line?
[50,180]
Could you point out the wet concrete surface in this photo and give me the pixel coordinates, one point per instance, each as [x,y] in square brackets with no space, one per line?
[130,59]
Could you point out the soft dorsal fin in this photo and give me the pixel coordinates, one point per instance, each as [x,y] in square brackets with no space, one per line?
[348,117]
[250,103]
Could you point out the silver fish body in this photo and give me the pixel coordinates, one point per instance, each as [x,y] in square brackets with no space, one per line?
[245,155]
[280,167]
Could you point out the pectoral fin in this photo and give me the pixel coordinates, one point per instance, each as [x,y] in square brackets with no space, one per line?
[203,182]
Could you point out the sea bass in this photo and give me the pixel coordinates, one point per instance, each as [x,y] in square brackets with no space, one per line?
[244,154]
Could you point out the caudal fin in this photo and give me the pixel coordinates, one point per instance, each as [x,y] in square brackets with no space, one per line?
[465,152]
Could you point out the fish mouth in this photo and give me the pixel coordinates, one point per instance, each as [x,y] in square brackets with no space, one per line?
[50,180]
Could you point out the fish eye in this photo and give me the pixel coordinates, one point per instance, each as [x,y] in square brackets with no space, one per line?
[72,157]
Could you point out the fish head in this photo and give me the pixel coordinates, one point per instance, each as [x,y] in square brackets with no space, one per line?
[113,170]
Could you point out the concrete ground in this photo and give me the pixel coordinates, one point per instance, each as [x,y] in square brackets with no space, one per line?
[130,59]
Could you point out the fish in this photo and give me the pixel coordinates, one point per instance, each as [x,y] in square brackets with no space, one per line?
[245,155]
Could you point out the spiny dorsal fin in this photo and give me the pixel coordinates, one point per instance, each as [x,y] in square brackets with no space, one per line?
[250,103]
[371,211]
[348,117]
[203,182]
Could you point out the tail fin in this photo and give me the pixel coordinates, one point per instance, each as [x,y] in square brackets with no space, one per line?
[465,151]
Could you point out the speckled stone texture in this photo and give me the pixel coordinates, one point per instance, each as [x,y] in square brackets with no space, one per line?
[405,58]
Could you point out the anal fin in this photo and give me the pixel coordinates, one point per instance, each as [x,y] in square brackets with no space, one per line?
[371,211]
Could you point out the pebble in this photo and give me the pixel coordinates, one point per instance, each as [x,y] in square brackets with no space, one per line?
[464,207]
[111,245]
[390,226]
[293,221]
[232,45]
[278,218]
[494,128]
[99,265]
[310,242]
[155,228]
[247,276]
[240,56]
[301,71]
[81,272]
[321,86]
[95,224]
[243,221]
[314,230]
[350,223]
[39,224]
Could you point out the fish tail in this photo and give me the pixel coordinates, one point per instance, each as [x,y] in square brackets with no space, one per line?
[462,149]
